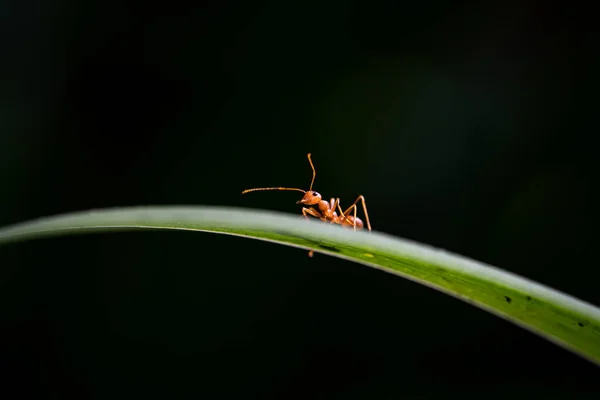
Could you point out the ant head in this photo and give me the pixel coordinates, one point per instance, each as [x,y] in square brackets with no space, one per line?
[310,198]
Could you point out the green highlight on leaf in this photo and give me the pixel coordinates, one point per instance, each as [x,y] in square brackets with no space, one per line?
[560,318]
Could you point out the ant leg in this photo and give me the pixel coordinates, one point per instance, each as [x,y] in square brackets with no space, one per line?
[362,199]
[314,213]
[343,216]
[340,208]
[311,211]
[352,207]
[333,204]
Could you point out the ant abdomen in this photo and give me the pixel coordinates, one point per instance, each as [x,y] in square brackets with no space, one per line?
[351,222]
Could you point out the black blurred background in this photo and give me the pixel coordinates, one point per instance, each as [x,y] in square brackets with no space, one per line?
[466,125]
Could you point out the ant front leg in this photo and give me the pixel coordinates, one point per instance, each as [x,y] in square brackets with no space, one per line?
[311,211]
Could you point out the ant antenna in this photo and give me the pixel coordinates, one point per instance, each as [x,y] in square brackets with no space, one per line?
[314,172]
[285,188]
[272,188]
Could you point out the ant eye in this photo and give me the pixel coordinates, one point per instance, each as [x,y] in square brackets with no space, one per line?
[316,194]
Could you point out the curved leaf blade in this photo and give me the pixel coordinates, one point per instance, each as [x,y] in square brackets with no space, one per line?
[560,318]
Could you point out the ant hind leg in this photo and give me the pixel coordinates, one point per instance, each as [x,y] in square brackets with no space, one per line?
[360,198]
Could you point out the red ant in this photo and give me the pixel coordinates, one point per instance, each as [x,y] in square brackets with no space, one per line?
[325,211]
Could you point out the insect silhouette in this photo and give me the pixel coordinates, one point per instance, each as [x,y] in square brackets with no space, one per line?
[325,210]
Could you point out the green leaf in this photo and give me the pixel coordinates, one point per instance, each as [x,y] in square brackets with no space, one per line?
[560,318]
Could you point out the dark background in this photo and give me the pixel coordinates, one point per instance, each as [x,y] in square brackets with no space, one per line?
[466,125]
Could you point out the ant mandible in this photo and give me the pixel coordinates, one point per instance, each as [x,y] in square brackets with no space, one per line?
[325,210]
